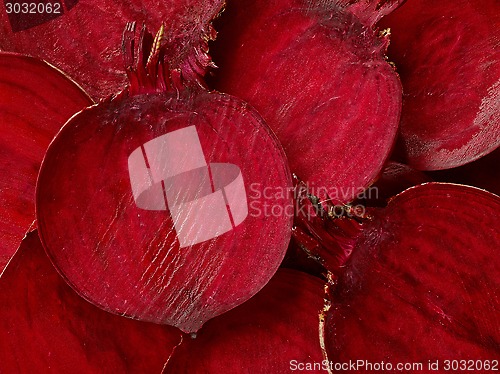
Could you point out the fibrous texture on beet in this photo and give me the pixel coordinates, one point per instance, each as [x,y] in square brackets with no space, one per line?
[422,282]
[46,327]
[318,76]
[35,101]
[153,204]
[448,58]
[275,330]
[84,38]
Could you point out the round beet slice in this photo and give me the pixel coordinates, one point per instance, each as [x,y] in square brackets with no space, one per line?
[448,58]
[83,37]
[275,332]
[46,327]
[36,99]
[154,204]
[321,82]
[422,282]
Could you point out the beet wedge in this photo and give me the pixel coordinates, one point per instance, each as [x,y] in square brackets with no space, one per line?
[448,58]
[35,101]
[83,37]
[422,283]
[274,332]
[46,327]
[319,78]
[152,204]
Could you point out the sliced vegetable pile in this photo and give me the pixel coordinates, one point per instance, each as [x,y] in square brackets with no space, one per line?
[309,205]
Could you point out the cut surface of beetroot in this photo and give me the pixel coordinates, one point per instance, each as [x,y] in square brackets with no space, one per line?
[447,55]
[422,283]
[35,101]
[46,327]
[156,205]
[84,38]
[275,330]
[322,84]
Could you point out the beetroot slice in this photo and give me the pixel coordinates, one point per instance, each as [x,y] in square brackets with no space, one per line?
[276,329]
[35,101]
[153,204]
[46,326]
[422,283]
[321,83]
[84,39]
[448,57]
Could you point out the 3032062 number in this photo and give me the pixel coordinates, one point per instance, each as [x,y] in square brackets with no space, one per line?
[33,8]
[471,365]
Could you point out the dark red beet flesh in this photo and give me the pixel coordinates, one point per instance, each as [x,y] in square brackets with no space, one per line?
[276,329]
[170,204]
[447,55]
[170,231]
[394,178]
[297,257]
[482,173]
[422,282]
[84,40]
[319,78]
[46,327]
[35,101]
